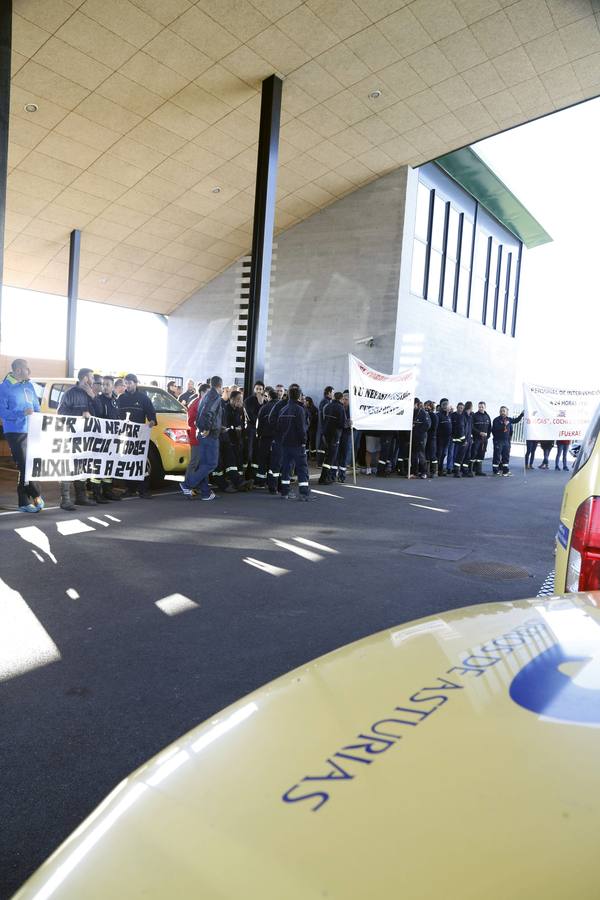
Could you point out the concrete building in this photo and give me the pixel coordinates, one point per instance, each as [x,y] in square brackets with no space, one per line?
[418,268]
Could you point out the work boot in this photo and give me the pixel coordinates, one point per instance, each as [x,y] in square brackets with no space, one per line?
[65,497]
[81,497]
[97,492]
[108,493]
[479,469]
[457,472]
[468,470]
[324,476]
[433,465]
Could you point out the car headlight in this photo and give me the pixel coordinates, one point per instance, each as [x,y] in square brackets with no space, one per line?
[177,435]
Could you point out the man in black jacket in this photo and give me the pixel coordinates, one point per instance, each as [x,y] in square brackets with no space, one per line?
[231,445]
[276,448]
[209,423]
[421,426]
[502,428]
[140,409]
[265,433]
[467,465]
[334,419]
[444,433]
[321,444]
[291,433]
[105,407]
[77,401]
[482,428]
[431,445]
[252,406]
[459,437]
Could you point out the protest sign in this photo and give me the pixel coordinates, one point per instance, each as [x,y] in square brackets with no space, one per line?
[68,448]
[558,414]
[380,402]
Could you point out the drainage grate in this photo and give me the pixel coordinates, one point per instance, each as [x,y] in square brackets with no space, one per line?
[487,569]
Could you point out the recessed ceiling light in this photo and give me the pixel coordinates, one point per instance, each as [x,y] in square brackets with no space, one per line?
[374,95]
[31,107]
[216,190]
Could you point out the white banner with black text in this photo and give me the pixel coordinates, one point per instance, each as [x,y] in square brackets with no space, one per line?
[70,448]
[380,402]
[558,414]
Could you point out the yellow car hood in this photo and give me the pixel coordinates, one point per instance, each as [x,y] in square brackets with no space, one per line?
[452,757]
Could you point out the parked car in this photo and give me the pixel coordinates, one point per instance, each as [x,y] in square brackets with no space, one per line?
[447,758]
[578,535]
[169,451]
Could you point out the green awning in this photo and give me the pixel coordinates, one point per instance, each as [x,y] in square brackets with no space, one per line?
[470,171]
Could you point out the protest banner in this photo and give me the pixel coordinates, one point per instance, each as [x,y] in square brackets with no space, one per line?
[69,448]
[558,414]
[380,402]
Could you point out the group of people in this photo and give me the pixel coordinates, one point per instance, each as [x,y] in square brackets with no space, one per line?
[95,395]
[262,441]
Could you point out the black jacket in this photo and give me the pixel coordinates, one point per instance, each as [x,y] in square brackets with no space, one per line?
[481,424]
[252,407]
[106,407]
[421,423]
[459,426]
[291,425]
[210,414]
[468,427]
[187,397]
[264,427]
[232,420]
[334,417]
[139,406]
[502,426]
[444,428]
[75,402]
[274,414]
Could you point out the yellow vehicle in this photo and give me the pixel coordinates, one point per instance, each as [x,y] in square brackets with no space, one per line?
[169,451]
[578,535]
[454,757]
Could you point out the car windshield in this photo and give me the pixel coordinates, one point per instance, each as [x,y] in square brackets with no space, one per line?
[162,401]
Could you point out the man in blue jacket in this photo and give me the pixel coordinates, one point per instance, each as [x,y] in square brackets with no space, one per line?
[291,433]
[17,401]
[209,424]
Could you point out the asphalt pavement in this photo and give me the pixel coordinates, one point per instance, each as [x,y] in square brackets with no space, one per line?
[124,625]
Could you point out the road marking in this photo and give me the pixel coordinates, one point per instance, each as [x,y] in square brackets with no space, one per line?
[433,508]
[24,642]
[299,551]
[175,604]
[72,593]
[98,521]
[265,567]
[36,536]
[38,555]
[112,518]
[316,546]
[358,487]
[72,526]
[325,494]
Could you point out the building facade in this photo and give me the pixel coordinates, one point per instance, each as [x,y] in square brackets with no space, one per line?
[411,270]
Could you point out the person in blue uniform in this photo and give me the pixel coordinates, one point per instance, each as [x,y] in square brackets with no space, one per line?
[265,433]
[18,400]
[334,418]
[502,428]
[77,401]
[291,433]
[431,444]
[467,465]
[459,437]
[421,426]
[444,434]
[482,428]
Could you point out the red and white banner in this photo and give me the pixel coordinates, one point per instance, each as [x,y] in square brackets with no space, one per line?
[380,402]
[558,414]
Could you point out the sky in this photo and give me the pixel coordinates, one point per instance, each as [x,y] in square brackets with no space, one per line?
[552,167]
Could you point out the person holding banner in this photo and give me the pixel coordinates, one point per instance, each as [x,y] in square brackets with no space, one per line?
[77,401]
[140,409]
[561,450]
[18,401]
[106,407]
[502,427]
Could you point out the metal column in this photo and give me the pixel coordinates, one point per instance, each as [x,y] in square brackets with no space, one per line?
[5,51]
[73,295]
[262,237]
